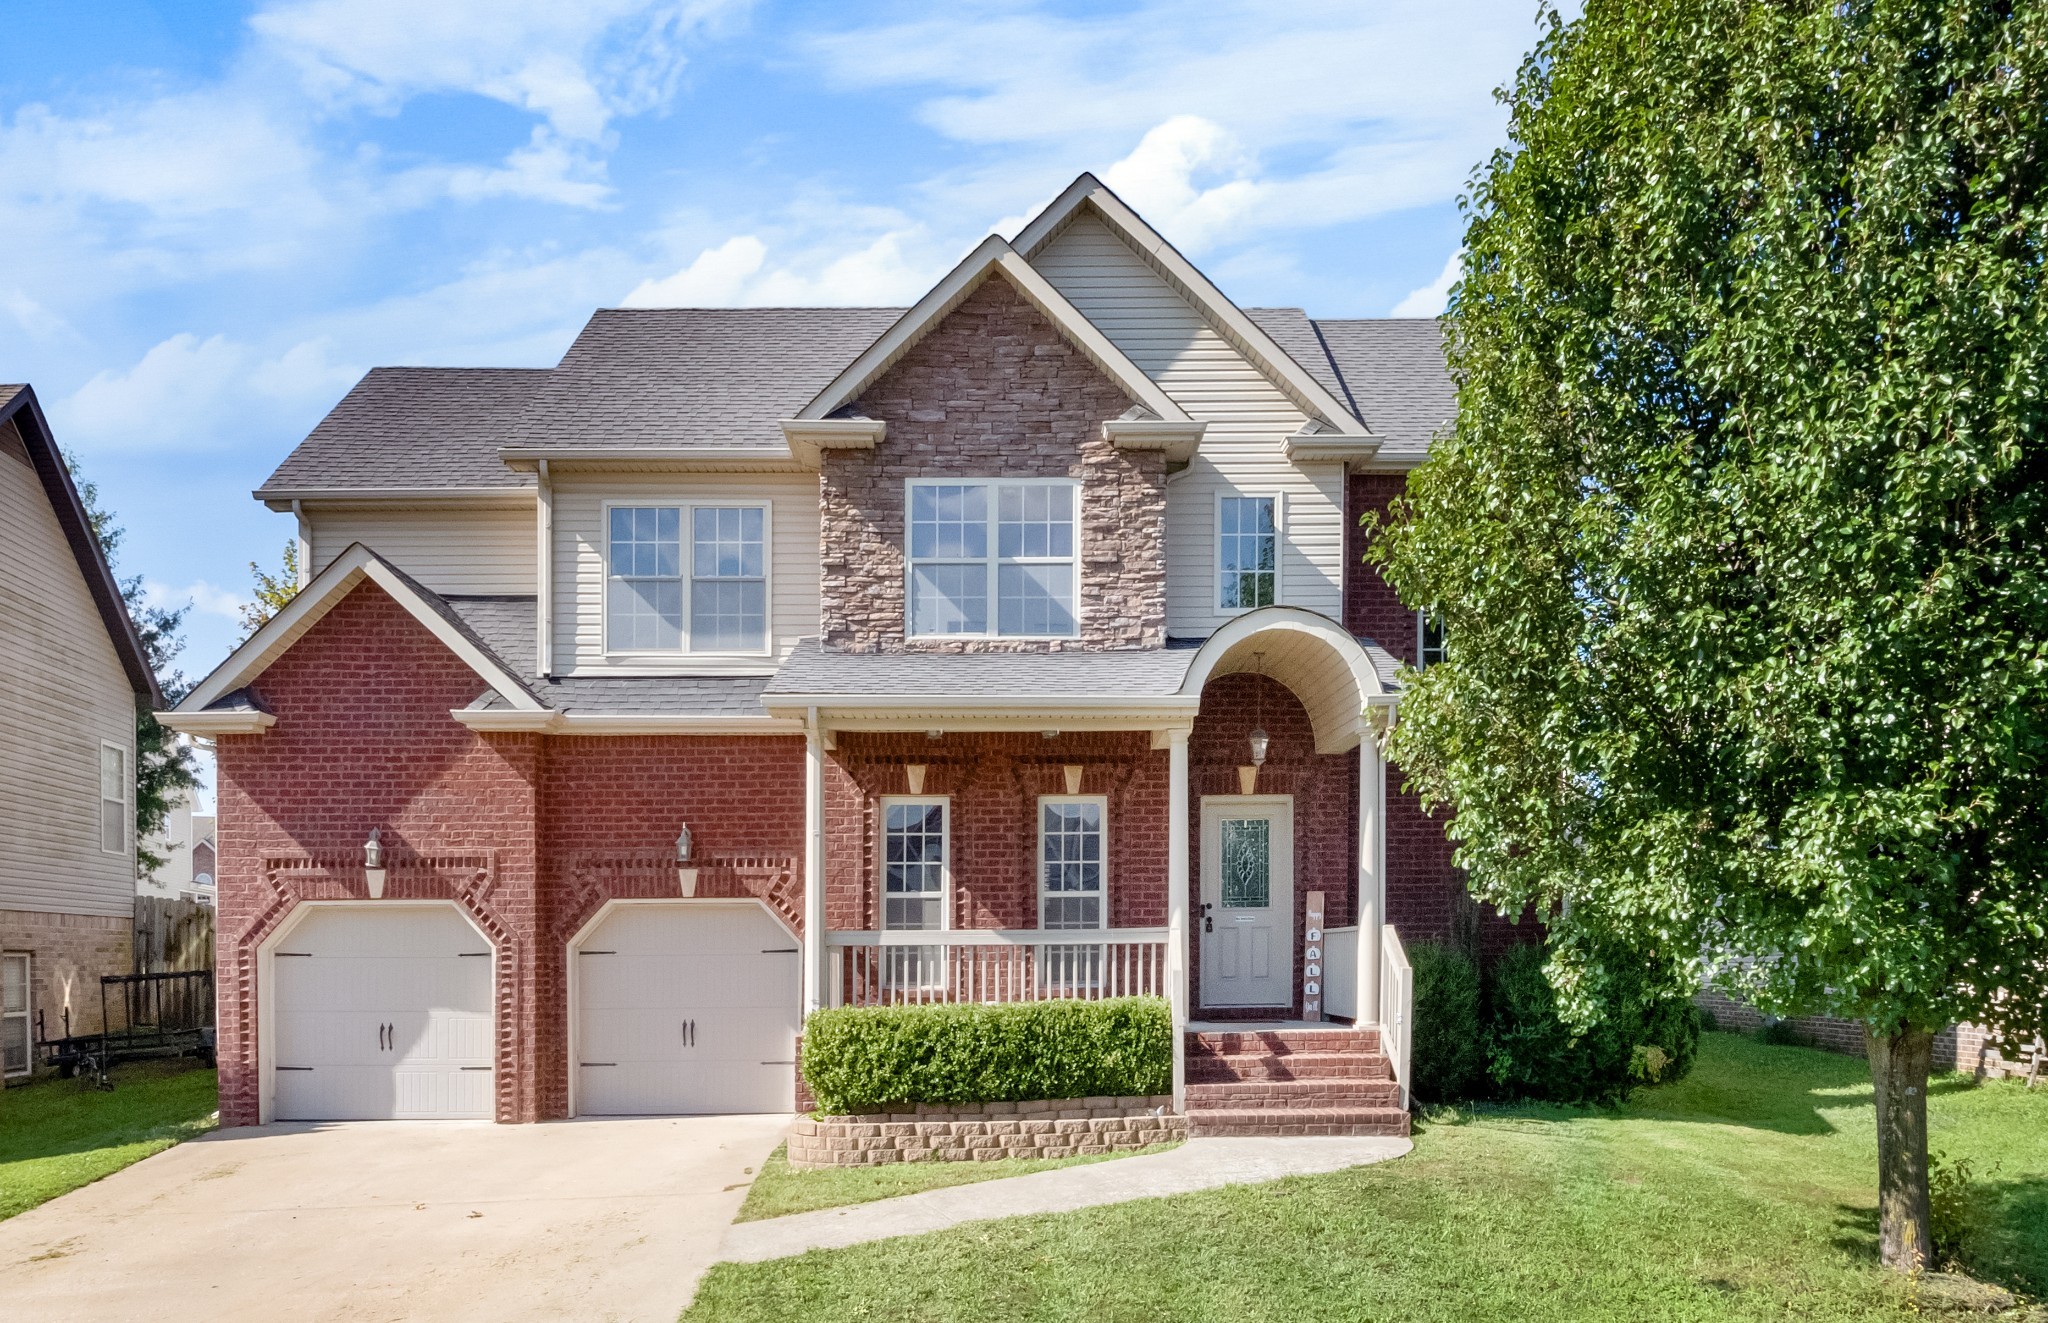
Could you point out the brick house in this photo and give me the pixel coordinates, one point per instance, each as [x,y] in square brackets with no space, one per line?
[72,671]
[1013,645]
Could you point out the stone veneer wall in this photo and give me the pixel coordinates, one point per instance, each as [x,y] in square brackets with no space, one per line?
[994,392]
[1064,1128]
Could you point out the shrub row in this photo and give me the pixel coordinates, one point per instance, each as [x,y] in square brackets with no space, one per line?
[1500,1036]
[882,1057]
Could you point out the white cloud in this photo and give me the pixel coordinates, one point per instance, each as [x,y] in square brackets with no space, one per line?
[1159,179]
[577,65]
[716,278]
[1429,301]
[545,170]
[893,268]
[189,393]
[203,597]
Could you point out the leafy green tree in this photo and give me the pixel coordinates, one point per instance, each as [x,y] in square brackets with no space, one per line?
[1739,539]
[164,766]
[272,591]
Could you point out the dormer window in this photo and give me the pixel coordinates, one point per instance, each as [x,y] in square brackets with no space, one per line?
[708,594]
[993,559]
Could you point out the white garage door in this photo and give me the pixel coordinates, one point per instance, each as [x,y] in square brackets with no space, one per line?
[686,1008]
[383,1015]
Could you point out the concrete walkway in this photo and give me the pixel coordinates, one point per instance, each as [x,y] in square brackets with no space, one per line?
[1199,1164]
[437,1220]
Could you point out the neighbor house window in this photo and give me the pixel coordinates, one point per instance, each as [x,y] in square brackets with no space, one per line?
[913,888]
[1429,639]
[113,799]
[708,596]
[993,558]
[14,1034]
[1248,551]
[1071,864]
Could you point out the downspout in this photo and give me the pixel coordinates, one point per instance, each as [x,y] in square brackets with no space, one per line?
[305,543]
[543,573]
[816,953]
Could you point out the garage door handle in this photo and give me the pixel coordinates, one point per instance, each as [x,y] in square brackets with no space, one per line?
[689,1033]
[476,1067]
[779,950]
[293,1067]
[588,1064]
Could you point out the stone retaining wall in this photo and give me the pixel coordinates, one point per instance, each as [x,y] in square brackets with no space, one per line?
[1064,1128]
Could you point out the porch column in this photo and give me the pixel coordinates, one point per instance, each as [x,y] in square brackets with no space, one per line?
[1372,872]
[1177,905]
[817,956]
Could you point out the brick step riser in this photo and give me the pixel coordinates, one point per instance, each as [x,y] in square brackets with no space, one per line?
[1379,1121]
[1284,1042]
[1225,1070]
[1273,1098]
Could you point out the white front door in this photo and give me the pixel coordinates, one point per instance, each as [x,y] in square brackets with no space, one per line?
[1247,912]
[686,1007]
[382,1014]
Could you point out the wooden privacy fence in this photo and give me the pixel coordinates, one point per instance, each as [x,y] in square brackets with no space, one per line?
[172,935]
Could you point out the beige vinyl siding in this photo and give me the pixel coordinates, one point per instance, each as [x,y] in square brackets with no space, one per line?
[487,552]
[63,694]
[1241,454]
[579,565]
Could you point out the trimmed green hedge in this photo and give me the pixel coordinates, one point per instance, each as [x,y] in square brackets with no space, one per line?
[879,1057]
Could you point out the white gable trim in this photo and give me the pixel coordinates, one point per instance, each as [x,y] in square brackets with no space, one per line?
[993,255]
[313,602]
[1229,320]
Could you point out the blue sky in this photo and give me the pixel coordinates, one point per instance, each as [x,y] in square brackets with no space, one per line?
[216,216]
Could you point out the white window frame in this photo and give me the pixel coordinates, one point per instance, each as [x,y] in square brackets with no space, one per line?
[933,967]
[1423,659]
[127,801]
[1073,966]
[994,560]
[26,1014]
[1279,500]
[1101,802]
[686,557]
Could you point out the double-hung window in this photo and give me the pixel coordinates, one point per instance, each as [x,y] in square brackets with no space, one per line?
[1071,897]
[686,578]
[1429,639]
[113,799]
[1248,551]
[15,1045]
[993,559]
[913,889]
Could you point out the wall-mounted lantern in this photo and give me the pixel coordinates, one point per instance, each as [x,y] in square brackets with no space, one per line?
[373,863]
[686,870]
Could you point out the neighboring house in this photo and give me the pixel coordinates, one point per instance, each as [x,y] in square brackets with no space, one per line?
[71,673]
[187,849]
[1016,644]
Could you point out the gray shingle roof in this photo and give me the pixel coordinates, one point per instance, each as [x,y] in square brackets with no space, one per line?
[1136,673]
[1293,331]
[402,428]
[696,377]
[1395,371]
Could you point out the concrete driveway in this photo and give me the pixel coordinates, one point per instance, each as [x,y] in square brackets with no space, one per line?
[599,1220]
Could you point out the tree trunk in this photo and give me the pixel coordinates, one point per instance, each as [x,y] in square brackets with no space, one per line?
[1898,1069]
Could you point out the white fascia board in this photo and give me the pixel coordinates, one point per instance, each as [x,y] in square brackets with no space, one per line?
[208,724]
[809,438]
[666,459]
[319,597]
[1229,319]
[1329,447]
[464,497]
[624,723]
[1134,712]
[991,256]
[1178,440]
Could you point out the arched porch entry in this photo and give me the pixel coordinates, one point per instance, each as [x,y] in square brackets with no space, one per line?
[1255,842]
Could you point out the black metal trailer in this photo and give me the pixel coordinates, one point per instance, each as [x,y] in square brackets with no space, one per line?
[161,1015]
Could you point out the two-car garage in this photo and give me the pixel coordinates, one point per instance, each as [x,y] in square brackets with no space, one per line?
[384,1011]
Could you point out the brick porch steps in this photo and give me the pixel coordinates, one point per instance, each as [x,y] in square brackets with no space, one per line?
[1290,1080]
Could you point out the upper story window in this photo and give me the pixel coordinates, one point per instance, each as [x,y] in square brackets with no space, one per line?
[709,595]
[1248,551]
[113,799]
[993,559]
[1429,639]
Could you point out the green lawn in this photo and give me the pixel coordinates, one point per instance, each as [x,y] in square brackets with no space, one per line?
[56,1135]
[1746,1192]
[779,1191]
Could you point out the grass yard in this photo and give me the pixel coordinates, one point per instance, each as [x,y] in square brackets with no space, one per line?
[56,1135]
[779,1191]
[1746,1192]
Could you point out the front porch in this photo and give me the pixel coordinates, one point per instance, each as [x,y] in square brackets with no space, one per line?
[967,851]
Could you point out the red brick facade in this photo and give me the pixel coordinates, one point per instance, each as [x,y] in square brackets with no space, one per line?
[528,834]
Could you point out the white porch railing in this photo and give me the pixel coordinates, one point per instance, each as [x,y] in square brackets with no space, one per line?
[1397,1006]
[1340,972]
[994,965]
